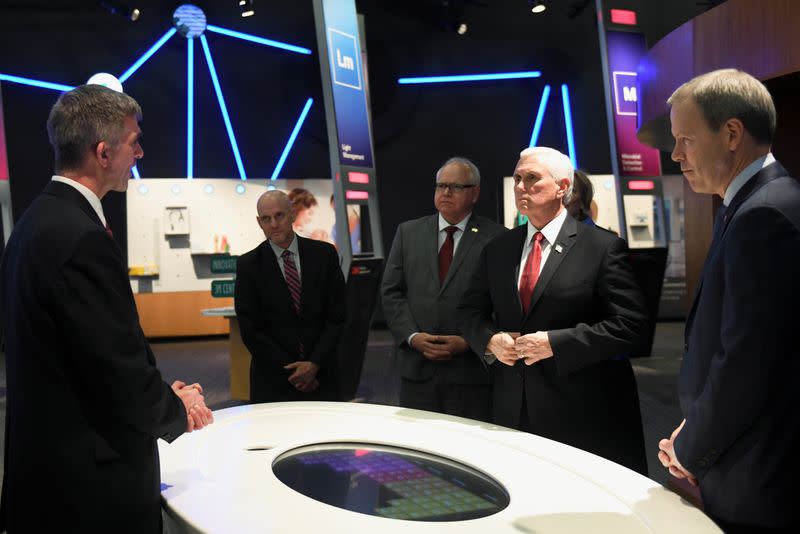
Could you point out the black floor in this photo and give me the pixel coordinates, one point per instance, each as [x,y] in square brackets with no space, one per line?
[206,362]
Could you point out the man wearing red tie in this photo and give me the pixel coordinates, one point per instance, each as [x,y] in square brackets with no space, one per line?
[289,300]
[556,304]
[427,272]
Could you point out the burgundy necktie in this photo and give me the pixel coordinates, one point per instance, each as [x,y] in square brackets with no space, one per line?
[293,283]
[109,232]
[530,274]
[446,253]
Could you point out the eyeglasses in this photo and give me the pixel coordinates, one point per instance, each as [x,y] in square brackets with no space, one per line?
[455,188]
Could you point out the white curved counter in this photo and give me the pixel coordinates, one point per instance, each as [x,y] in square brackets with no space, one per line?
[220,479]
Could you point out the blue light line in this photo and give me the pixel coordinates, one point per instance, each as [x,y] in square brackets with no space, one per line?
[470,77]
[153,49]
[292,138]
[222,107]
[537,126]
[259,40]
[190,109]
[568,122]
[135,172]
[35,83]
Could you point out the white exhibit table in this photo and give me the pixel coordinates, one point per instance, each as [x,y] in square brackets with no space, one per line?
[220,479]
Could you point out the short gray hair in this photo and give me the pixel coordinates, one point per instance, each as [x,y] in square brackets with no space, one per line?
[474,173]
[85,116]
[559,165]
[731,94]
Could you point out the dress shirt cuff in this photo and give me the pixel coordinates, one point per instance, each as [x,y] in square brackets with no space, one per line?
[410,338]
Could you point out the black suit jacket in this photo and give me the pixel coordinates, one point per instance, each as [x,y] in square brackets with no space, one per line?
[271,329]
[415,301]
[738,380]
[85,400]
[586,298]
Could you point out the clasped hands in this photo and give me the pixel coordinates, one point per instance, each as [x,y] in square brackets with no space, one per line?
[435,347]
[197,413]
[304,375]
[508,347]
[666,455]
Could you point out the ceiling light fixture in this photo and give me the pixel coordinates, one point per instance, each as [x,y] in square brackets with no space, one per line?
[247,8]
[537,6]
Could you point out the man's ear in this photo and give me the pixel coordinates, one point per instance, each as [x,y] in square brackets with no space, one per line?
[563,186]
[101,153]
[734,132]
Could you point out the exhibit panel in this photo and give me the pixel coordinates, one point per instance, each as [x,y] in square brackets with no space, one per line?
[375,464]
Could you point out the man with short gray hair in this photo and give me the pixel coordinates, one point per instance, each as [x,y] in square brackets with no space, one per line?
[86,402]
[555,306]
[738,381]
[428,269]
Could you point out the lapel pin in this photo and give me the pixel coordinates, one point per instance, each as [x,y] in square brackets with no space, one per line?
[475,230]
[559,248]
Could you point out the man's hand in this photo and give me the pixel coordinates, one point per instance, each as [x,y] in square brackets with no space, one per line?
[304,375]
[666,455]
[533,347]
[502,346]
[432,347]
[197,413]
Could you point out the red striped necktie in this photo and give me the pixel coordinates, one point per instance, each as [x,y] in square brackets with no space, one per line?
[530,274]
[292,278]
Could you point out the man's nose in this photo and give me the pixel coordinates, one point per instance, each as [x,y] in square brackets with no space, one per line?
[676,154]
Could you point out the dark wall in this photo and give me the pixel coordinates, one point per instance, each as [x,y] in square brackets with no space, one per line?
[415,127]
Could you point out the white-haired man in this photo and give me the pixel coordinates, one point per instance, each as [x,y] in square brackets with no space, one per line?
[556,304]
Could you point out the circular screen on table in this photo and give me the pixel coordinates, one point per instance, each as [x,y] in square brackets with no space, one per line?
[390,482]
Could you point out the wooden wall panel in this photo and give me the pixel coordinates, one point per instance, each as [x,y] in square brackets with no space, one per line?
[178,314]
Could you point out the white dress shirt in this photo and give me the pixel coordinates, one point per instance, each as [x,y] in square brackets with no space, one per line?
[462,226]
[743,177]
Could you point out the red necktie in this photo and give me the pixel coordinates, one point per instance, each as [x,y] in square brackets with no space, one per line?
[446,253]
[293,283]
[530,273]
[109,232]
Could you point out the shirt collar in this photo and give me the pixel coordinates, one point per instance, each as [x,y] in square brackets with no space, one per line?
[743,177]
[550,230]
[462,225]
[278,250]
[93,199]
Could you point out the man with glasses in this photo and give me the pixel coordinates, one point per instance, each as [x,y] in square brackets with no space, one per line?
[290,304]
[429,267]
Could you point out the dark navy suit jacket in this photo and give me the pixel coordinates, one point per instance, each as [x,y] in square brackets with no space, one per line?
[738,383]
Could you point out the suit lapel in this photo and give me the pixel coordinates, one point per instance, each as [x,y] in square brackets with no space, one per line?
[306,260]
[558,251]
[430,243]
[767,174]
[470,235]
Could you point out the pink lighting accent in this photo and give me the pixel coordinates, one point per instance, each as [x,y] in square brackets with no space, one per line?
[623,16]
[358,177]
[357,195]
[641,185]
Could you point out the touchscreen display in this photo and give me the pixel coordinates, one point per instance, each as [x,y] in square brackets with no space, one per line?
[390,482]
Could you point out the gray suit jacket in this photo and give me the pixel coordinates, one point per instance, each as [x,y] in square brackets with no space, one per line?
[414,301]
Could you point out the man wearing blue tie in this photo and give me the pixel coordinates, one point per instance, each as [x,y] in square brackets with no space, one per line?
[741,433]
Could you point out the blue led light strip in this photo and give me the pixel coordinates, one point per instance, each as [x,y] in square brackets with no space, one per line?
[259,40]
[153,49]
[471,77]
[292,138]
[190,109]
[537,126]
[35,83]
[222,107]
[135,172]
[568,122]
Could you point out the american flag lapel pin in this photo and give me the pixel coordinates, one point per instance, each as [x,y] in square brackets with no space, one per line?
[559,248]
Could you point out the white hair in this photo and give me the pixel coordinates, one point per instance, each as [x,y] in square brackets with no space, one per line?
[557,163]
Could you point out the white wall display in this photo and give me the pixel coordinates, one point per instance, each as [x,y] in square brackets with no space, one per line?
[223,220]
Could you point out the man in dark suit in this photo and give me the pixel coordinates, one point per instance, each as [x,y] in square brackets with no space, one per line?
[429,267]
[738,382]
[85,400]
[290,304]
[556,303]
